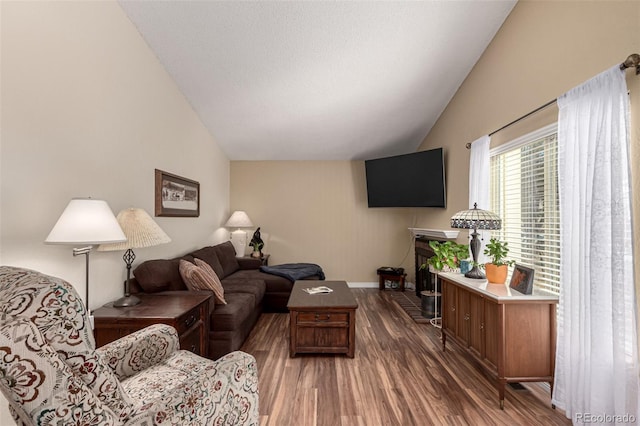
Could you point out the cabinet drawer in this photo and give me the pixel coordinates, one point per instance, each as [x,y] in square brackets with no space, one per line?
[191,340]
[336,318]
[186,321]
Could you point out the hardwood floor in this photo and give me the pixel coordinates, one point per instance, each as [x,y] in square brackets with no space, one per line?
[399,376]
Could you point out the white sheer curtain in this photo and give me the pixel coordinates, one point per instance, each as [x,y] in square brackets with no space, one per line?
[480,183]
[596,360]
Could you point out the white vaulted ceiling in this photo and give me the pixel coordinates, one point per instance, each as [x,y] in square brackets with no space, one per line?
[318,80]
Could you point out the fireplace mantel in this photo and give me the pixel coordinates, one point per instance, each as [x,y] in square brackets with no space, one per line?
[440,234]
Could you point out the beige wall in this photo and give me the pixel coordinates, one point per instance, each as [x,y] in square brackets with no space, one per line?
[543,50]
[87,110]
[316,211]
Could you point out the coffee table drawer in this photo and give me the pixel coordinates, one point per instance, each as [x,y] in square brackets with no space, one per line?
[323,318]
[322,339]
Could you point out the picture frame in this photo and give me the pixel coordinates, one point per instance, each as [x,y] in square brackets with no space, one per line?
[522,279]
[176,196]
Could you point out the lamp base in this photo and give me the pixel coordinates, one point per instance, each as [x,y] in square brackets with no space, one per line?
[239,241]
[126,301]
[475,273]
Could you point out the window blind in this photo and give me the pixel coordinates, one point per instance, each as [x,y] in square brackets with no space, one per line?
[524,193]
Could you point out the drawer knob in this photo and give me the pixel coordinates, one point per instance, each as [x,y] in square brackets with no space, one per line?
[190,321]
[325,317]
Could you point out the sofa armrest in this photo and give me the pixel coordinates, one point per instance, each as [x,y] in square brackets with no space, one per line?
[140,350]
[249,263]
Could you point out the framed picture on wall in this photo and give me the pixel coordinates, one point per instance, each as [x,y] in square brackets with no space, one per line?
[176,196]
[522,279]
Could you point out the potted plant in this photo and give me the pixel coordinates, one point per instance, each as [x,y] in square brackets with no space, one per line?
[447,255]
[257,249]
[498,267]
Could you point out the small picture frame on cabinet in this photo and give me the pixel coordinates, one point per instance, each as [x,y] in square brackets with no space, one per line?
[522,279]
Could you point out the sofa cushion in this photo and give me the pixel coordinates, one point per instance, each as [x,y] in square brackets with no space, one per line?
[227,257]
[249,262]
[255,287]
[202,277]
[209,255]
[160,275]
[231,316]
[274,283]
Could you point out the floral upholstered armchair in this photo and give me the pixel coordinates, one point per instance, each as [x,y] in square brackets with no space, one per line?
[51,373]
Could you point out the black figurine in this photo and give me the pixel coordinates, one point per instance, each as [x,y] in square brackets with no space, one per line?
[257,243]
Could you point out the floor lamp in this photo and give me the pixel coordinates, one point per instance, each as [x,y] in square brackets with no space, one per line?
[475,219]
[141,231]
[86,221]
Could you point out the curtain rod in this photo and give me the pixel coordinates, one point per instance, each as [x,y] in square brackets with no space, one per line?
[632,60]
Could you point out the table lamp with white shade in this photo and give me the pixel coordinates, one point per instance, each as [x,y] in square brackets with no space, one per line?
[239,219]
[88,222]
[141,231]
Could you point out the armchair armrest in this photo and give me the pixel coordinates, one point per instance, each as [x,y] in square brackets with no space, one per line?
[39,385]
[140,350]
[221,392]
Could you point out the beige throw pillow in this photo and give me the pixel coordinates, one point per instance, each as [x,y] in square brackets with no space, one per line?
[202,277]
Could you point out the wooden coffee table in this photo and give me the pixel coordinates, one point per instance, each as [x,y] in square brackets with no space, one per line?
[322,323]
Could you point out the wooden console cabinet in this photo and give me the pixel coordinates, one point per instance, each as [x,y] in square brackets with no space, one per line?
[186,311]
[510,335]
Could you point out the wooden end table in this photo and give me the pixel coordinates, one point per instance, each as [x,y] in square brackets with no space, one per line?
[186,311]
[399,278]
[322,323]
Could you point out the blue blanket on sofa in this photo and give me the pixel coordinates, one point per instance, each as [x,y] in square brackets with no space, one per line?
[294,271]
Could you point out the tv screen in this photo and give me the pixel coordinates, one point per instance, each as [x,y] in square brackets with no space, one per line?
[410,180]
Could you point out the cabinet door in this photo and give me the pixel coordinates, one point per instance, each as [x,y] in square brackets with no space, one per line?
[491,332]
[463,315]
[476,324]
[449,302]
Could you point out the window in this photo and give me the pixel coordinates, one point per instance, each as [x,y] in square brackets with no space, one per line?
[524,193]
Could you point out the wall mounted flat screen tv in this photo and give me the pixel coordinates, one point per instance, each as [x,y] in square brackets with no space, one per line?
[410,180]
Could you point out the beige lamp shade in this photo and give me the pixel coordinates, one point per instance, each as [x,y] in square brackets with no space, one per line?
[141,231]
[86,221]
[239,219]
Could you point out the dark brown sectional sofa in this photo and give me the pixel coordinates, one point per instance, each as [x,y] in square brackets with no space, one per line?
[247,291]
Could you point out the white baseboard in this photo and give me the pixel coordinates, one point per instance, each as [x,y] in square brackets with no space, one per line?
[408,285]
[363,284]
